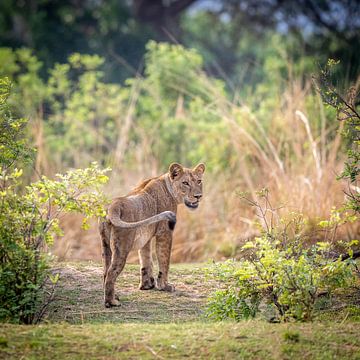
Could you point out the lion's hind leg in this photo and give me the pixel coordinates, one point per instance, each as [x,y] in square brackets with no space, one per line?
[105,233]
[120,251]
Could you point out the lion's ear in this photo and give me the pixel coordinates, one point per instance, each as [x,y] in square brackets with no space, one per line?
[175,170]
[199,169]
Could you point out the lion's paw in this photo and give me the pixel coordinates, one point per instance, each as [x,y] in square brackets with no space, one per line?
[167,288]
[147,284]
[112,303]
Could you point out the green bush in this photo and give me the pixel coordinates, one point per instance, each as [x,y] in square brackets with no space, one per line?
[281,269]
[29,219]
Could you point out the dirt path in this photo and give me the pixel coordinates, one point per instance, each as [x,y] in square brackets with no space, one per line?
[79,296]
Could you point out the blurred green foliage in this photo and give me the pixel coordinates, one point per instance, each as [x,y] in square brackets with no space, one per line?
[13,145]
[167,114]
[83,116]
[56,29]
[232,36]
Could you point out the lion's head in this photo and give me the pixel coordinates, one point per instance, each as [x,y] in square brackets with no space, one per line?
[187,184]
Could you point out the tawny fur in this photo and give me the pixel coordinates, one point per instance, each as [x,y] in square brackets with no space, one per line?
[148,211]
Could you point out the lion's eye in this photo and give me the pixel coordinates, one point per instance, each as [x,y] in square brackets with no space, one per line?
[186,183]
[199,182]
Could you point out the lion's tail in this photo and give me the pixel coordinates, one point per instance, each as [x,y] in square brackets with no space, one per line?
[114,217]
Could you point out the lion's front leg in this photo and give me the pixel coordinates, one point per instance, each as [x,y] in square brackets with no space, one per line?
[163,252]
[147,281]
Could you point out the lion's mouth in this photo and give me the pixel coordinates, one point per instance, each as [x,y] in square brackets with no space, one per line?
[192,205]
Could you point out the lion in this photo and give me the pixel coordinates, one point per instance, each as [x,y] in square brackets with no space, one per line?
[133,220]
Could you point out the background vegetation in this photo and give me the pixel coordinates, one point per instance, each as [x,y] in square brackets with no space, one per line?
[231,86]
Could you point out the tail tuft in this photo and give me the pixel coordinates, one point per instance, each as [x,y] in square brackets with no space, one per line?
[172,224]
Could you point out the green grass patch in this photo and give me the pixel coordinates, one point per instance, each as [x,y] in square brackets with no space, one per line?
[158,325]
[195,340]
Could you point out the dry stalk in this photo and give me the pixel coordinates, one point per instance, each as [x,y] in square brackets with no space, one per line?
[315,154]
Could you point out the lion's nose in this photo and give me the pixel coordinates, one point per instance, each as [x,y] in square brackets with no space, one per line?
[198,196]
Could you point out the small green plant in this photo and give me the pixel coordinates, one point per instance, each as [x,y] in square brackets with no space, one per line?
[29,219]
[229,303]
[281,268]
[291,336]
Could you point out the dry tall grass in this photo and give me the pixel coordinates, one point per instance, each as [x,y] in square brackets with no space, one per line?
[291,155]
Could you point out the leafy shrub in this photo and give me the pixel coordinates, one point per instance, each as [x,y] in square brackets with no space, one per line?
[29,219]
[280,269]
